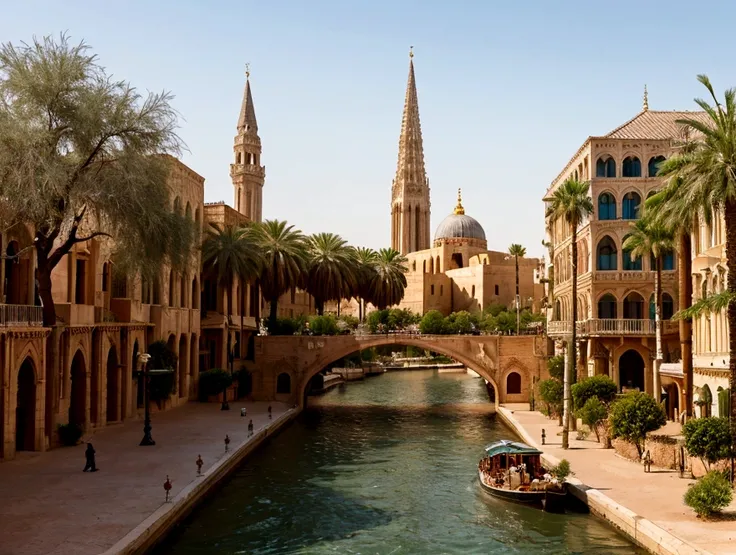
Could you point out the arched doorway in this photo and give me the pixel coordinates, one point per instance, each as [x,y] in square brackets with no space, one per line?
[671,400]
[193,343]
[183,365]
[513,383]
[78,397]
[25,408]
[113,386]
[631,371]
[138,378]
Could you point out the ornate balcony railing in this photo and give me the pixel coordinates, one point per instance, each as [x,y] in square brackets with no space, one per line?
[20,315]
[611,326]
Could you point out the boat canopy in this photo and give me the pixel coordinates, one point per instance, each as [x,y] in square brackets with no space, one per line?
[506,447]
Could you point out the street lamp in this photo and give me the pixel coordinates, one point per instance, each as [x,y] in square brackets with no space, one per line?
[143,359]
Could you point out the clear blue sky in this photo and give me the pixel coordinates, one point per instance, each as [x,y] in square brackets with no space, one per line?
[507,91]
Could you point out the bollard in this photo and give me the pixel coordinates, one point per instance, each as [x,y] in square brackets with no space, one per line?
[227,442]
[167,487]
[269,411]
[544,436]
[200,462]
[250,428]
[242,411]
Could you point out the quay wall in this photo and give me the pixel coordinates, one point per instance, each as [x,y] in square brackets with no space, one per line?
[154,529]
[638,529]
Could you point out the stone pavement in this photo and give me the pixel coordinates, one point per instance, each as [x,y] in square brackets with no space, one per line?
[656,496]
[49,506]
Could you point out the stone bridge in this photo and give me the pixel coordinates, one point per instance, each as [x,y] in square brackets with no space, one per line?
[283,365]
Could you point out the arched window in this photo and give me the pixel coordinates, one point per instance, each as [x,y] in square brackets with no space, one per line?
[188,211]
[424,266]
[706,401]
[634,306]
[437,265]
[607,254]
[575,175]
[629,263]
[513,383]
[668,262]
[472,292]
[177,205]
[195,293]
[653,166]
[607,306]
[668,307]
[631,203]
[171,288]
[605,167]
[606,207]
[283,383]
[631,167]
[105,277]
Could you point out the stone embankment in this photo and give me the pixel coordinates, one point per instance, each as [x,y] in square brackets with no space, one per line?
[646,507]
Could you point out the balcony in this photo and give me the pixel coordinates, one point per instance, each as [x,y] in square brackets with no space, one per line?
[601,327]
[20,315]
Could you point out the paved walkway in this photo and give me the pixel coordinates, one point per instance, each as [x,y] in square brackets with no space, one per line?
[656,496]
[49,506]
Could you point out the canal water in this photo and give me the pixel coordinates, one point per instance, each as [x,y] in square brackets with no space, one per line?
[386,466]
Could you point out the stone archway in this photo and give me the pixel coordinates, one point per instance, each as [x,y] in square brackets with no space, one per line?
[113,386]
[631,371]
[183,366]
[78,396]
[25,408]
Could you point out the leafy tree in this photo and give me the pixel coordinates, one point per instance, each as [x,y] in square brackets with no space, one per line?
[635,415]
[163,357]
[517,251]
[708,439]
[433,322]
[389,281]
[214,381]
[331,269]
[706,182]
[82,156]
[323,325]
[461,322]
[649,238]
[601,387]
[571,203]
[494,309]
[710,494]
[594,414]
[551,392]
[556,367]
[285,260]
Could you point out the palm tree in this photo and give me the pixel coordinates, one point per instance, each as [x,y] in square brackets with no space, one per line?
[571,203]
[389,281]
[517,251]
[229,253]
[365,261]
[331,271]
[285,260]
[651,239]
[708,182]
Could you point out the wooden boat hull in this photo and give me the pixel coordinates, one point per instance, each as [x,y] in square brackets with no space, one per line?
[555,501]
[525,497]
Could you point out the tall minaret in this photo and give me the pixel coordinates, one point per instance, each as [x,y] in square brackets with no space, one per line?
[247,173]
[410,189]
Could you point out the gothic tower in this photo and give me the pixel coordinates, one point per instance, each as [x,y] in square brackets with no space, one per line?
[410,189]
[247,173]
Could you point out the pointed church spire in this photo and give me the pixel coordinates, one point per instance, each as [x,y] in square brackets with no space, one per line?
[247,120]
[645,106]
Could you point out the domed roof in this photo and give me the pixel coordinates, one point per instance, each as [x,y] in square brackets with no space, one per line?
[458,225]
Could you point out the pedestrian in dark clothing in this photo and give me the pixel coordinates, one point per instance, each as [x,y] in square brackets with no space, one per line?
[90,456]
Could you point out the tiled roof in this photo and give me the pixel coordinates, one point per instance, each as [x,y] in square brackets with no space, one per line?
[654,125]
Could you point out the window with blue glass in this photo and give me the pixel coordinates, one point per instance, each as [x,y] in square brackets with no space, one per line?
[668,307]
[605,167]
[654,163]
[634,306]
[668,262]
[631,204]
[631,167]
[607,306]
[606,207]
[629,262]
[607,254]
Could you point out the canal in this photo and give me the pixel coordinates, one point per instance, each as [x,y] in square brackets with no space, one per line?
[384,466]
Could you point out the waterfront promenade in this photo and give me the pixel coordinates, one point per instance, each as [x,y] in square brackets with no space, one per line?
[655,496]
[49,506]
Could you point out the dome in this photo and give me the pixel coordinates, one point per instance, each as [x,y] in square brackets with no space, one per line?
[458,225]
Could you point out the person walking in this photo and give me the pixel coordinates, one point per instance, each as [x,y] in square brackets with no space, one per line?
[90,456]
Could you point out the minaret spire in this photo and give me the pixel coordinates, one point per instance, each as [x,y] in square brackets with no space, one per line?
[410,191]
[645,106]
[247,120]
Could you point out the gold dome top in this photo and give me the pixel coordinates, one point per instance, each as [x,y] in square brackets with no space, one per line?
[459,208]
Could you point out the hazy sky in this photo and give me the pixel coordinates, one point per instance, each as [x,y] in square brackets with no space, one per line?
[508,91]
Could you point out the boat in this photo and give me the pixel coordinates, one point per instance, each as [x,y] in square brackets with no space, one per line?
[513,471]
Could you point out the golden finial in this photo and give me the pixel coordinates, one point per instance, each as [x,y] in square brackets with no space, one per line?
[646,99]
[247,70]
[411,52]
[459,210]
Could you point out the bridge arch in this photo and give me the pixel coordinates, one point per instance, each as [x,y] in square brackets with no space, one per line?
[352,344]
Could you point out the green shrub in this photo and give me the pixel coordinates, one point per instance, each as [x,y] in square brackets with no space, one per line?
[594,414]
[323,325]
[433,322]
[287,326]
[562,470]
[710,494]
[556,367]
[634,415]
[602,387]
[461,322]
[349,322]
[213,382]
[551,393]
[69,434]
[708,438]
[162,386]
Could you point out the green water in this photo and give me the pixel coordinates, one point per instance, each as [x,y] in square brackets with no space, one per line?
[385,466]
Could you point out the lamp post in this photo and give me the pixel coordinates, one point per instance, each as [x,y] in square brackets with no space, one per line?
[143,359]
